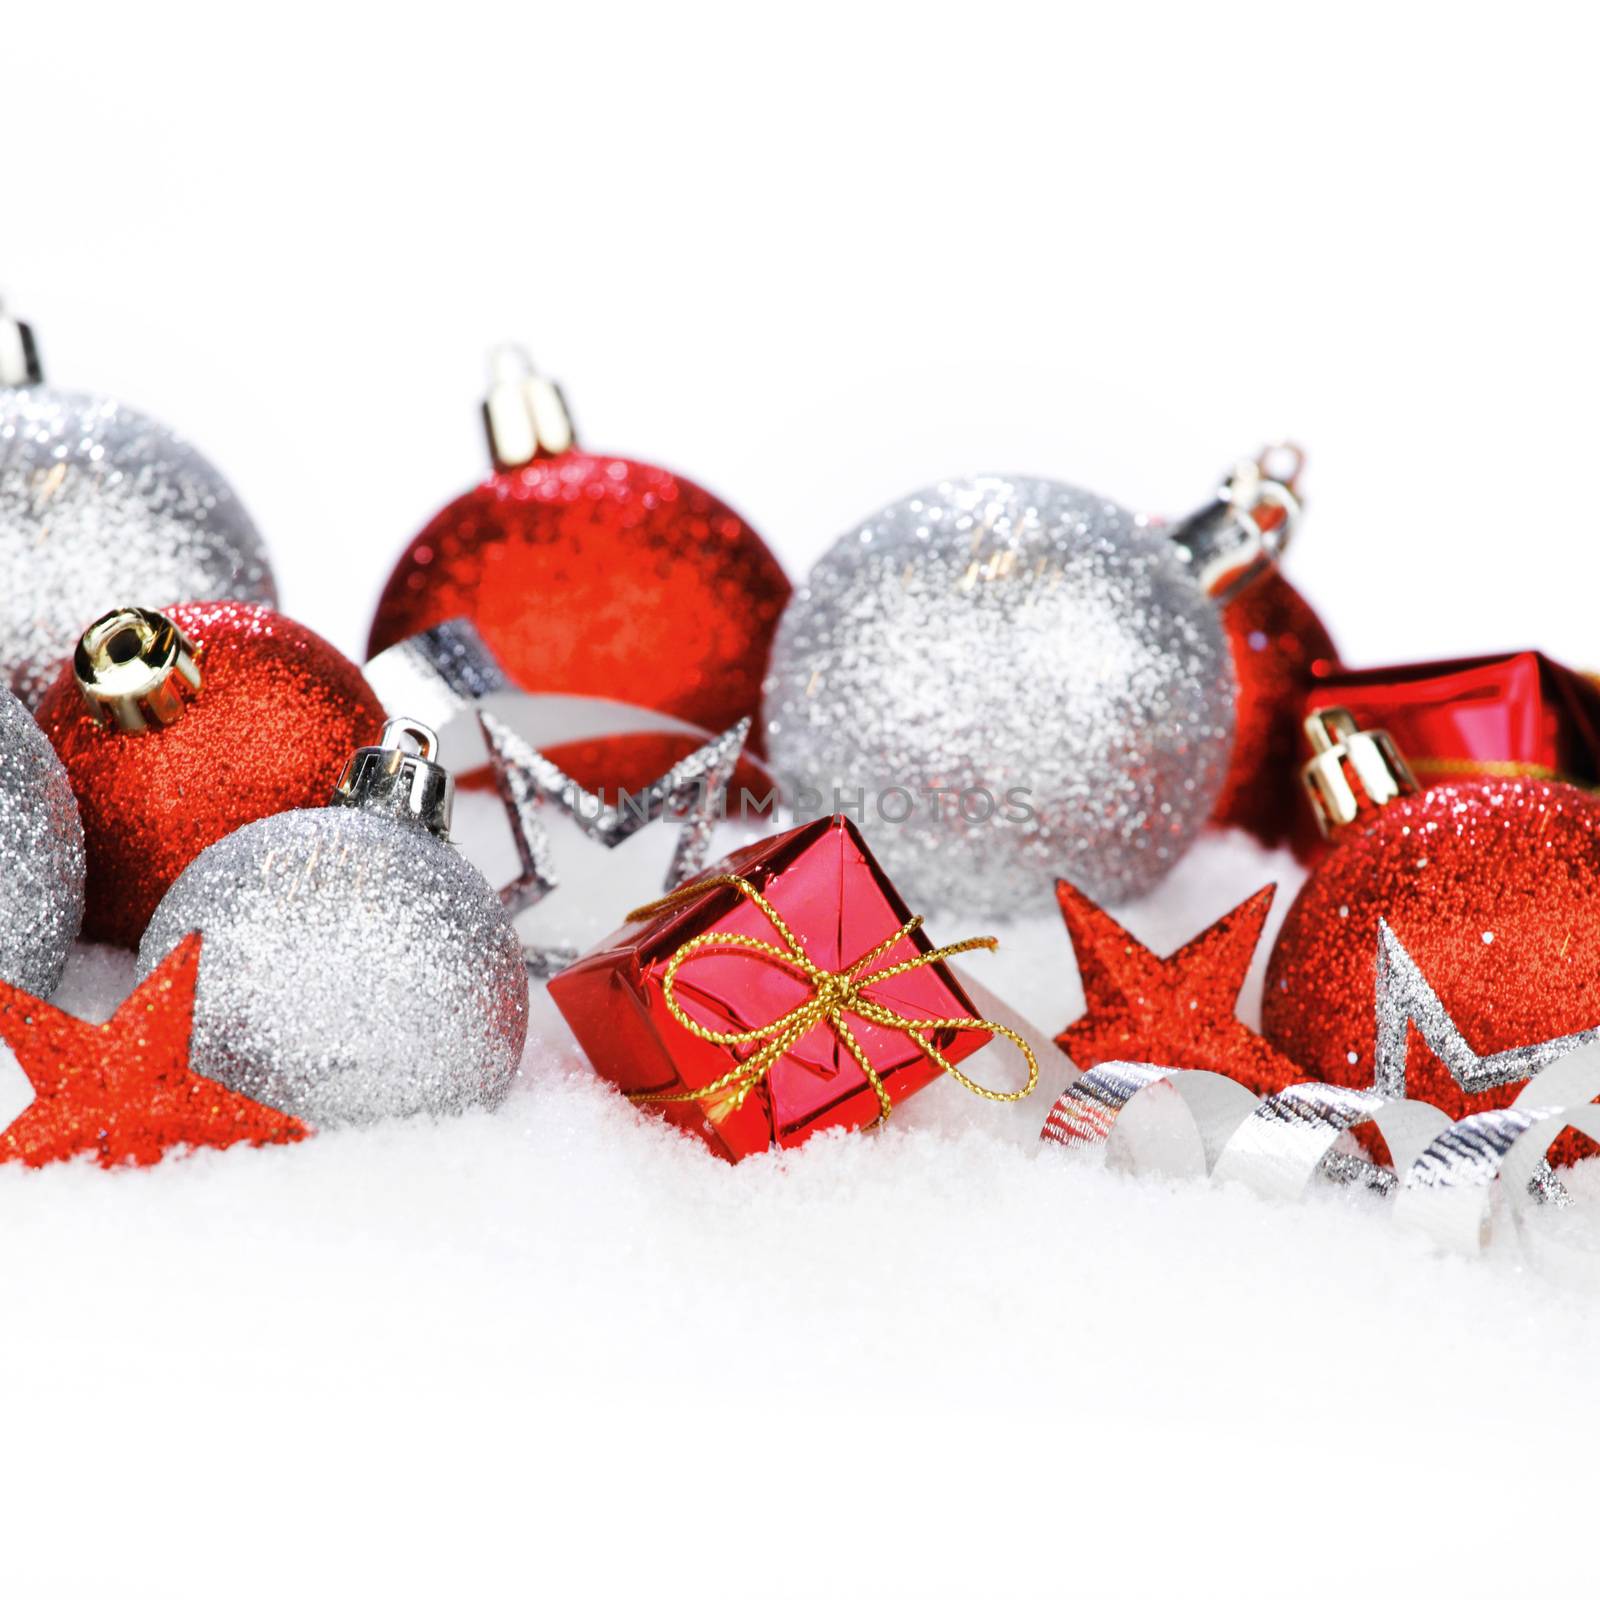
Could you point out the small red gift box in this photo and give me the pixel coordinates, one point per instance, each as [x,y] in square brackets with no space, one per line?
[1518,715]
[1506,716]
[778,932]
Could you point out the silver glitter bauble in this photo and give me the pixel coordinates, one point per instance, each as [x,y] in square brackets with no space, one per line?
[1020,681]
[41,855]
[101,507]
[353,965]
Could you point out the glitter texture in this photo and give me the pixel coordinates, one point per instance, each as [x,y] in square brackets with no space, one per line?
[1520,860]
[1179,1010]
[593,575]
[41,855]
[690,793]
[1276,639]
[355,967]
[101,507]
[123,1090]
[992,635]
[277,712]
[1406,1000]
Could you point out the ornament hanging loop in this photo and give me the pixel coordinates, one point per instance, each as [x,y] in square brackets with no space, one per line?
[1282,462]
[19,355]
[399,732]
[1236,537]
[1271,505]
[132,668]
[1351,771]
[398,777]
[524,414]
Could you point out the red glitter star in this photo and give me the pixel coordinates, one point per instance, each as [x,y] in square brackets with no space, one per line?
[1174,1011]
[124,1089]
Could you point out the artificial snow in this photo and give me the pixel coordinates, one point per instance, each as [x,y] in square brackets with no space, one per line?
[941,1358]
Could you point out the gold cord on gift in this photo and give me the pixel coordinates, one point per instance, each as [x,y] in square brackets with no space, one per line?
[834,996]
[1465,767]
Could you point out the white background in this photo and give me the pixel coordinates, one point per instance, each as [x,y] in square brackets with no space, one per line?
[814,257]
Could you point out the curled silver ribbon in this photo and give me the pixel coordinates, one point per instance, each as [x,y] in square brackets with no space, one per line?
[1461,1183]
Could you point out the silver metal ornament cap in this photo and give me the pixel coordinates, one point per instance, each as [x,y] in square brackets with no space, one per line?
[1351,770]
[399,778]
[19,355]
[135,670]
[1237,536]
[524,414]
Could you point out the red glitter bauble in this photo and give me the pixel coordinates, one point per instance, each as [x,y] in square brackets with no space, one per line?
[277,713]
[1276,639]
[594,575]
[1492,887]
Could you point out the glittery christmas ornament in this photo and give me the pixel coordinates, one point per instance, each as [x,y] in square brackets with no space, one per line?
[688,794]
[446,674]
[1490,887]
[123,1091]
[176,728]
[1406,1004]
[1519,715]
[593,574]
[355,966]
[1277,643]
[1276,640]
[1009,679]
[1178,1010]
[41,855]
[100,506]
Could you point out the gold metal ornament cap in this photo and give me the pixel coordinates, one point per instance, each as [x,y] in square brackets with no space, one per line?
[524,414]
[1351,770]
[135,670]
[399,778]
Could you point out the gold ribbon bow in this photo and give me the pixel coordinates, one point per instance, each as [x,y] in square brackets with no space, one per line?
[834,995]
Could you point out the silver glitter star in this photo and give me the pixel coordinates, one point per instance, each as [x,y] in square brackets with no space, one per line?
[1405,996]
[690,792]
[1442,1171]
